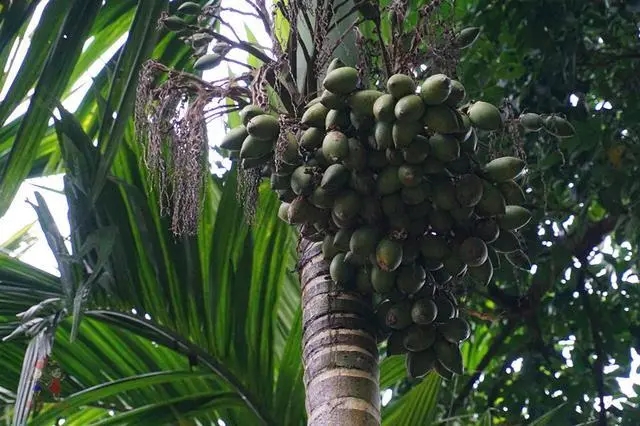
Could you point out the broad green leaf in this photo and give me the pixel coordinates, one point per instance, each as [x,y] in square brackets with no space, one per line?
[13,16]
[165,410]
[106,390]
[392,370]
[282,28]
[61,59]
[416,407]
[31,68]
[165,337]
[141,40]
[112,23]
[99,243]
[252,60]
[68,271]
[15,241]
[289,391]
[24,275]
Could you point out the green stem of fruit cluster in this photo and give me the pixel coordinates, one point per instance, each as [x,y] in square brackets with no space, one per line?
[340,353]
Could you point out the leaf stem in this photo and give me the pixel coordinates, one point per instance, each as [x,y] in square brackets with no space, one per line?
[243,45]
[177,343]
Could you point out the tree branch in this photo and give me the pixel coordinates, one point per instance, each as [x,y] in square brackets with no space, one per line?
[263,14]
[577,245]
[240,12]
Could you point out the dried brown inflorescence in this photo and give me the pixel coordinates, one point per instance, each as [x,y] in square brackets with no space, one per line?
[171,115]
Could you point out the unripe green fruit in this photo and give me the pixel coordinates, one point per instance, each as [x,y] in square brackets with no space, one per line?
[485,116]
[254,148]
[481,274]
[442,119]
[265,127]
[559,127]
[340,270]
[456,330]
[315,116]
[531,121]
[335,146]
[514,217]
[457,94]
[435,89]
[503,169]
[400,85]
[418,364]
[383,108]
[234,138]
[341,81]
[449,356]
[250,111]
[388,254]
[332,100]
[409,108]
[364,241]
[467,37]
[361,102]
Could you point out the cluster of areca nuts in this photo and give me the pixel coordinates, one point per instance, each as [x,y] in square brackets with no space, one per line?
[393,186]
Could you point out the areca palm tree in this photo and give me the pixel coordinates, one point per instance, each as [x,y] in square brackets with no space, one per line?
[149,328]
[143,325]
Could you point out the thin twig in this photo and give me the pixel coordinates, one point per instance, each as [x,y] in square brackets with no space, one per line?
[221,109]
[263,14]
[239,12]
[233,31]
[243,45]
[239,63]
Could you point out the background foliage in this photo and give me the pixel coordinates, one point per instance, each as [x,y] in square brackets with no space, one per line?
[208,327]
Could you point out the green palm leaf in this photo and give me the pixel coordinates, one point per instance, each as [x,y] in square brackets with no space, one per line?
[418,406]
[60,62]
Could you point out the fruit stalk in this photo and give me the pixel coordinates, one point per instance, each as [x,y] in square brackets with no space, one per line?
[340,355]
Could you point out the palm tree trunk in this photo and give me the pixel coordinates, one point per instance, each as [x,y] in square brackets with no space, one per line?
[340,354]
